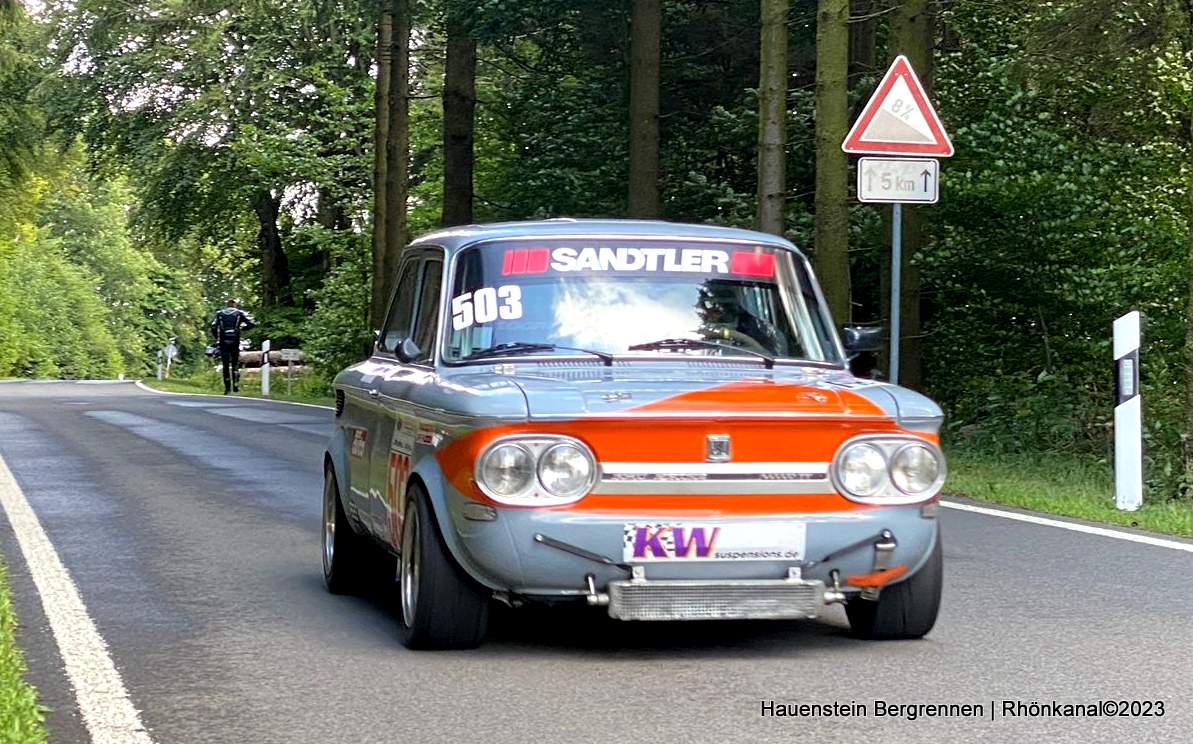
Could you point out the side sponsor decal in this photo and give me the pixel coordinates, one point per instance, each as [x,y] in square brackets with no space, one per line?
[714,542]
[401,448]
[360,440]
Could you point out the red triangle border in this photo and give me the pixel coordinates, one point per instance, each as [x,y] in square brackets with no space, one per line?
[855,145]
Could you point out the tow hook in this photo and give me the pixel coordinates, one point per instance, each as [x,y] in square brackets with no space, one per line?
[595,598]
[884,551]
[834,595]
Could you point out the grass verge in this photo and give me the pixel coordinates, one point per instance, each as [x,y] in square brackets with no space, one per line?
[21,720]
[305,388]
[1071,487]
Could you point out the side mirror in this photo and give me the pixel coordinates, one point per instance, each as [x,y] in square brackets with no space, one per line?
[408,351]
[858,339]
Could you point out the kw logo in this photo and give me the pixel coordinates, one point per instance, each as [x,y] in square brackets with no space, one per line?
[665,541]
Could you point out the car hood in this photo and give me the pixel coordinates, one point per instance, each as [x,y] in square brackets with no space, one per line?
[561,390]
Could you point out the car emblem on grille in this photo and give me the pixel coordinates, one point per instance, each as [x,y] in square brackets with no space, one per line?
[716,448]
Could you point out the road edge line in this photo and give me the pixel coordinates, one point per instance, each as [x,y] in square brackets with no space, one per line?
[146,388]
[103,700]
[1088,529]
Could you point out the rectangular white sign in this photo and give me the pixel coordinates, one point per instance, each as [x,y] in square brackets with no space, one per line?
[686,541]
[906,180]
[291,355]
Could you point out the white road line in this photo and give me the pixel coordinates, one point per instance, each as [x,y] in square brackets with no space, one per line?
[148,389]
[1088,529]
[103,700]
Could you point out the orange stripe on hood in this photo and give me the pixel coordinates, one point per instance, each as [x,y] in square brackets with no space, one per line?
[762,397]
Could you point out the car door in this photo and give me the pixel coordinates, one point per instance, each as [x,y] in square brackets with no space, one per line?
[371,441]
[393,459]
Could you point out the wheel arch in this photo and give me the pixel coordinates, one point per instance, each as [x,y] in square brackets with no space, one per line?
[430,478]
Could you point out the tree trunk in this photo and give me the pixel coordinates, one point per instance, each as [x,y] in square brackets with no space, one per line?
[772,116]
[913,32]
[380,145]
[832,168]
[863,28]
[645,29]
[275,269]
[1188,432]
[459,110]
[397,147]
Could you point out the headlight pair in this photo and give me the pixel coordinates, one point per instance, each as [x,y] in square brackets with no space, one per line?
[888,470]
[536,470]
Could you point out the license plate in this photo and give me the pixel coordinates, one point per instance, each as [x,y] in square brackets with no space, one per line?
[694,541]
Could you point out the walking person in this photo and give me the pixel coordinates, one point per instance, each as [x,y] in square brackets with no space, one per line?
[225,328]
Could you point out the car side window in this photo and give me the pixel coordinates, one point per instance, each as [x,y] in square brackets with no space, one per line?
[401,310]
[428,310]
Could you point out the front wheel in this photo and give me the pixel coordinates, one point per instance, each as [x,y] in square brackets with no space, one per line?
[441,606]
[343,549]
[904,610]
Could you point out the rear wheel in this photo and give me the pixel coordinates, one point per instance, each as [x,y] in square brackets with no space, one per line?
[343,549]
[441,606]
[904,610]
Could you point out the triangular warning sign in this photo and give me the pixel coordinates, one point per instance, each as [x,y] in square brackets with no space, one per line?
[898,119]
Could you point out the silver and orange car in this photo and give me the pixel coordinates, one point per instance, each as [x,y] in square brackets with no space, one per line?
[653,418]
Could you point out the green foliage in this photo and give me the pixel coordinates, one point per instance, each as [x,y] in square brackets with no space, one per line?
[21,718]
[337,333]
[1063,208]
[58,320]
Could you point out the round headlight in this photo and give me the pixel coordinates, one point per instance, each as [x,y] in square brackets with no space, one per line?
[915,468]
[507,469]
[861,470]
[565,470]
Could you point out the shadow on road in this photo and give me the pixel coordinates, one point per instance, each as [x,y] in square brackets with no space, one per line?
[582,631]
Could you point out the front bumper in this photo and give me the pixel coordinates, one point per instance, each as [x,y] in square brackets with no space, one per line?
[508,554]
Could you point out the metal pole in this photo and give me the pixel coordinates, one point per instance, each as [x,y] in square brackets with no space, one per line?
[1128,414]
[896,286]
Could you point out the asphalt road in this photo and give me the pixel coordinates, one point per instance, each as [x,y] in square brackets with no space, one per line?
[190,526]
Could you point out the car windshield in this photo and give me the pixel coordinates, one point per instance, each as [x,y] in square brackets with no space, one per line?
[634,297]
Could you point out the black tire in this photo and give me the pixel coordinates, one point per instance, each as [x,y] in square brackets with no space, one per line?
[904,610]
[448,609]
[342,564]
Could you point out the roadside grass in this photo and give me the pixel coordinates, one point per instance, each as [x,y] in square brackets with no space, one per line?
[21,720]
[1067,486]
[306,388]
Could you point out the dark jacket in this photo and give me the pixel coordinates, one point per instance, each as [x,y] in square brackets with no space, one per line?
[227,324]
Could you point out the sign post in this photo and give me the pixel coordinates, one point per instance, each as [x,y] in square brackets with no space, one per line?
[1128,414]
[898,120]
[290,356]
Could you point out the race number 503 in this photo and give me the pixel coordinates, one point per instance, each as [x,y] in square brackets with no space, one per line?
[486,305]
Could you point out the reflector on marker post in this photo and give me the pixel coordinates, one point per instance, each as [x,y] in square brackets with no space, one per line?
[1128,414]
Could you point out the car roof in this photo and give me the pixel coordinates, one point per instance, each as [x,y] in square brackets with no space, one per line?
[455,238]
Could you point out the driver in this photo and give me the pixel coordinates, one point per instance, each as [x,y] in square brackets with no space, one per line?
[724,318]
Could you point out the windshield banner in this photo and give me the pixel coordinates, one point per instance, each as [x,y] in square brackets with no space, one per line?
[756,263]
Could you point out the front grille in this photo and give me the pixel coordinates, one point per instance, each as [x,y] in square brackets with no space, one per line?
[339,402]
[715,600]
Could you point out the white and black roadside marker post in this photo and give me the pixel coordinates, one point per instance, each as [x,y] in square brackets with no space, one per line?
[265,368]
[1128,414]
